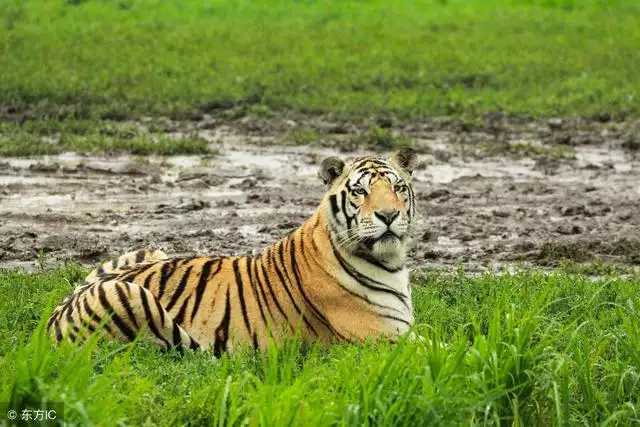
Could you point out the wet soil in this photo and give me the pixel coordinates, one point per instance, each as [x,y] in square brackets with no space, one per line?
[478,207]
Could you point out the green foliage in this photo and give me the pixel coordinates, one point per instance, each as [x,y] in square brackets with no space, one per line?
[523,149]
[527,349]
[385,138]
[124,58]
[303,136]
[41,137]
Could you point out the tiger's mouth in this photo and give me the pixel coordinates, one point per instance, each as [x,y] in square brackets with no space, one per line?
[386,237]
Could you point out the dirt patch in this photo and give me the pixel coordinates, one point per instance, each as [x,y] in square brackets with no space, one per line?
[535,207]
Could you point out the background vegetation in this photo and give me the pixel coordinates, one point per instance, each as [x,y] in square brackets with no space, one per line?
[118,58]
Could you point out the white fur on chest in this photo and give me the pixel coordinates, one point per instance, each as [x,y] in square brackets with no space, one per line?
[392,300]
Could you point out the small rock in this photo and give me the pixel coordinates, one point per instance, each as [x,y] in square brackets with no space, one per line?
[569,229]
[246,184]
[555,124]
[578,210]
[42,167]
[437,194]
[625,216]
[428,236]
[384,122]
[227,203]
[631,144]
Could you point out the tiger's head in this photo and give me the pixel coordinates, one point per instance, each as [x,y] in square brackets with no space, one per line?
[370,205]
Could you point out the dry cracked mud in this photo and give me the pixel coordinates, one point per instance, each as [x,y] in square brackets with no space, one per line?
[489,194]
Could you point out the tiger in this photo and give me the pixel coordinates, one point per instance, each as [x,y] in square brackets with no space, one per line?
[340,276]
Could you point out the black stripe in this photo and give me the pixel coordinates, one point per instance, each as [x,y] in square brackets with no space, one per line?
[239,284]
[147,280]
[140,256]
[51,320]
[365,281]
[333,199]
[273,295]
[355,294]
[360,163]
[58,332]
[160,310]
[125,303]
[193,344]
[202,284]
[180,288]
[180,316]
[95,317]
[69,316]
[253,288]
[261,287]
[298,280]
[343,202]
[131,276]
[411,201]
[100,271]
[371,260]
[222,331]
[114,316]
[73,335]
[286,288]
[149,316]
[255,341]
[87,324]
[176,334]
[396,319]
[165,274]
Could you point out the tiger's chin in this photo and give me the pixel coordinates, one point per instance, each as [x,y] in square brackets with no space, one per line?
[388,249]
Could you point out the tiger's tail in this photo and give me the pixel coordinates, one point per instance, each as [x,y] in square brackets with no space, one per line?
[123,309]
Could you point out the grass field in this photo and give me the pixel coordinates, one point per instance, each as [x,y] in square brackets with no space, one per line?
[523,349]
[123,58]
[527,349]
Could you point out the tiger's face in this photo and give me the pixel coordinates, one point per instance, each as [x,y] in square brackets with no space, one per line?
[370,205]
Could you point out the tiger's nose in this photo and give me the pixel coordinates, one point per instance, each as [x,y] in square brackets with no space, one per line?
[387,216]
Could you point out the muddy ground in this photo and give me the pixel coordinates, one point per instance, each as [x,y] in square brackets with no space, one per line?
[495,192]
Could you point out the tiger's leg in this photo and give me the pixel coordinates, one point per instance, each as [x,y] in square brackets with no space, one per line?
[129,308]
[124,262]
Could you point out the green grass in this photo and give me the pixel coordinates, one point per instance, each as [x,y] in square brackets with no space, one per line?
[42,137]
[123,58]
[519,150]
[303,136]
[527,349]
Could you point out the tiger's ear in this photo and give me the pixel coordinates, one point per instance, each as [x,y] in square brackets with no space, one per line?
[330,169]
[406,158]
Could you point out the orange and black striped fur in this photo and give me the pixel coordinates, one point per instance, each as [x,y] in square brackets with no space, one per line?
[341,275]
